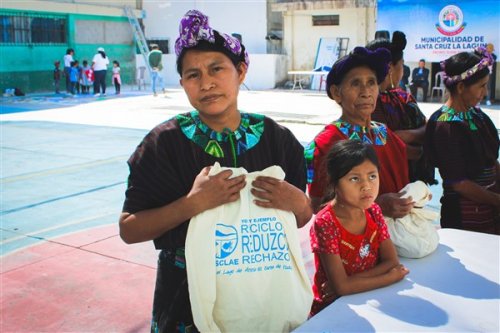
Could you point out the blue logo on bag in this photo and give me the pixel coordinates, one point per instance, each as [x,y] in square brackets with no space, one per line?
[226,239]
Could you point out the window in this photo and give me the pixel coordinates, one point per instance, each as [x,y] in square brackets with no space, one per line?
[26,28]
[103,32]
[325,20]
[162,44]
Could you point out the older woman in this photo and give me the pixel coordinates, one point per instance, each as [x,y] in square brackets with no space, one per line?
[353,84]
[399,110]
[463,144]
[169,179]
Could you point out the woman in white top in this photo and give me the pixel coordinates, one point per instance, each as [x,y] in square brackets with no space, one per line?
[100,65]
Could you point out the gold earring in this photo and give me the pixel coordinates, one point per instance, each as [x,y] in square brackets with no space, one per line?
[392,83]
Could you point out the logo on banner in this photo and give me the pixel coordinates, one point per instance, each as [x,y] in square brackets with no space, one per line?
[451,21]
[226,239]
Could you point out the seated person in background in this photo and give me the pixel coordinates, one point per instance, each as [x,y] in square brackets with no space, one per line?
[420,79]
[352,248]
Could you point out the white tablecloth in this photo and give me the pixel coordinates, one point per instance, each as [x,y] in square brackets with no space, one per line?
[455,289]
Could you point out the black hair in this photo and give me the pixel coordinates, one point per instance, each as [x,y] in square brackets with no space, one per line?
[461,62]
[377,61]
[68,51]
[85,62]
[342,157]
[103,55]
[396,46]
[218,46]
[116,62]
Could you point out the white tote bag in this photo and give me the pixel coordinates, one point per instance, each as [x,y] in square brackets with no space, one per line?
[244,266]
[414,235]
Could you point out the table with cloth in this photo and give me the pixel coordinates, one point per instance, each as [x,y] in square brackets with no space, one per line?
[456,288]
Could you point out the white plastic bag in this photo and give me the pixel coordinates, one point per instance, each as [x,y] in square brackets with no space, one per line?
[414,235]
[244,266]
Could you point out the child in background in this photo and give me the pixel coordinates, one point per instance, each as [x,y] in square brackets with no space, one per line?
[116,76]
[79,79]
[87,79]
[349,238]
[73,77]
[57,76]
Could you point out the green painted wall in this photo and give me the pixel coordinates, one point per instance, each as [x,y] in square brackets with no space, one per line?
[29,67]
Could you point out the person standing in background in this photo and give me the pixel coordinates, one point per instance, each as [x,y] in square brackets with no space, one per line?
[493,74]
[78,86]
[405,80]
[68,59]
[87,77]
[155,58]
[463,143]
[73,77]
[399,110]
[420,79]
[100,66]
[57,76]
[117,81]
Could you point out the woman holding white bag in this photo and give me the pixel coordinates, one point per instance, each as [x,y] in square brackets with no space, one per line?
[169,179]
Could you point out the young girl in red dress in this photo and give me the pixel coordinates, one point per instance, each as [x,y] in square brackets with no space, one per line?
[352,248]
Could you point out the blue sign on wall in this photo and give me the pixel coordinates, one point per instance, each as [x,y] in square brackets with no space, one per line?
[438,29]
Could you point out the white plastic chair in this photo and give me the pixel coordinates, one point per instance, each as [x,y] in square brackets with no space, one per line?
[439,87]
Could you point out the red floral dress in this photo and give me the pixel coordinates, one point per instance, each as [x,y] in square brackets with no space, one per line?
[358,252]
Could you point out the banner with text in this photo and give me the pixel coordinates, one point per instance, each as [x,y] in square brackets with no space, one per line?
[438,29]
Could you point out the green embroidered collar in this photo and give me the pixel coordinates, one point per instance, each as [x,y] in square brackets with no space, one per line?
[449,114]
[376,134]
[246,136]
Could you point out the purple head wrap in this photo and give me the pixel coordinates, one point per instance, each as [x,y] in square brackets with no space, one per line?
[486,60]
[377,60]
[194,28]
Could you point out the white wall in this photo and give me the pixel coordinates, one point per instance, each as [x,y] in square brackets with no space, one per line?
[265,71]
[247,18]
[301,38]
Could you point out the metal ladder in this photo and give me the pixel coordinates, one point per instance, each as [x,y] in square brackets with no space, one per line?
[139,37]
[343,43]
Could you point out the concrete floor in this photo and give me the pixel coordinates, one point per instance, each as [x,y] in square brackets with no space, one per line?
[63,177]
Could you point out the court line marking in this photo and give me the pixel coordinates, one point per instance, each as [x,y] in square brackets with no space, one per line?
[36,204]
[61,170]
[59,226]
